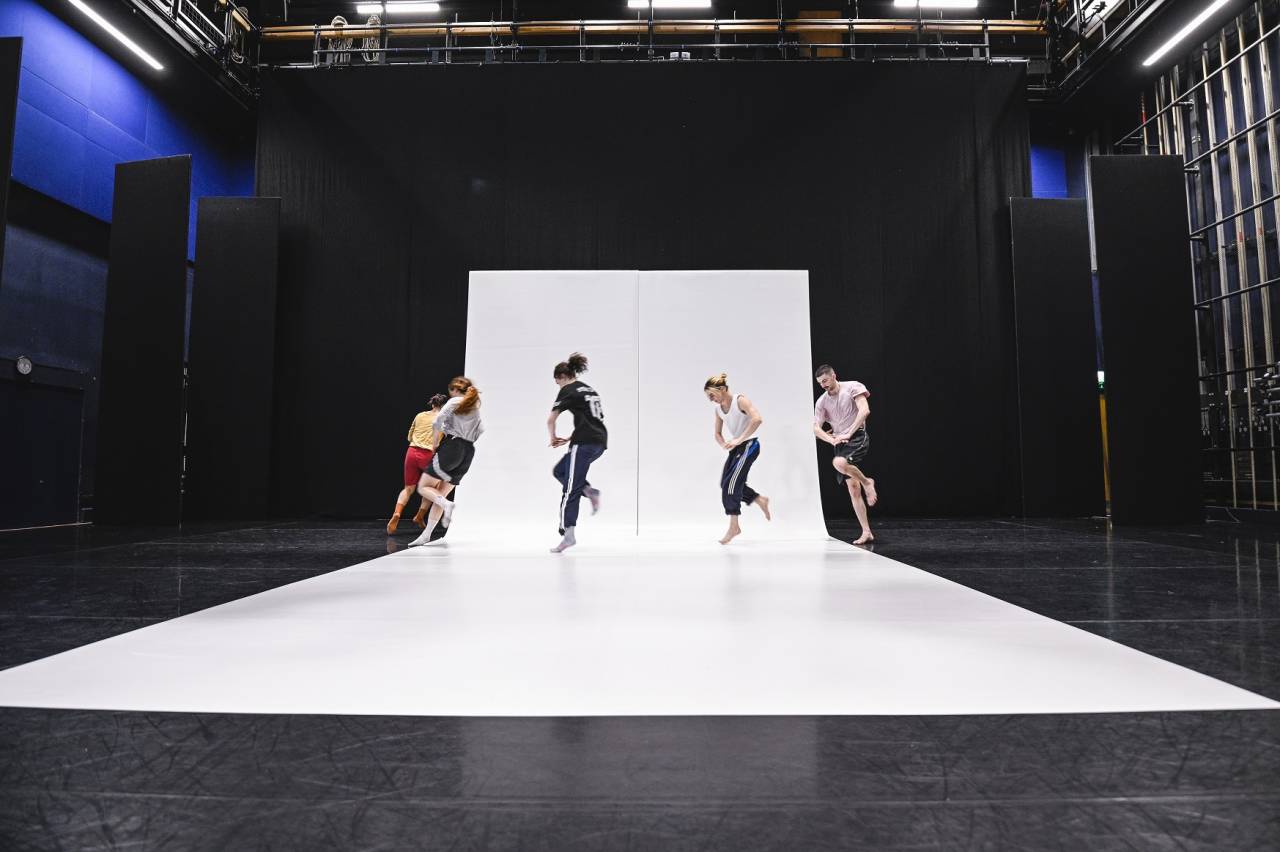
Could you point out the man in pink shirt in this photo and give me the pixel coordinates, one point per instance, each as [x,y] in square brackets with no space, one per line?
[844,406]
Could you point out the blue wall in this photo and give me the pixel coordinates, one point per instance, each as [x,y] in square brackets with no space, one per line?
[1048,170]
[80,112]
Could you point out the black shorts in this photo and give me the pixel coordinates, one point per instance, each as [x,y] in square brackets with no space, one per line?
[853,451]
[452,460]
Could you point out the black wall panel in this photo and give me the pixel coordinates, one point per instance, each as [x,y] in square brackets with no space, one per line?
[140,412]
[40,453]
[10,70]
[1059,419]
[231,362]
[1148,338]
[899,214]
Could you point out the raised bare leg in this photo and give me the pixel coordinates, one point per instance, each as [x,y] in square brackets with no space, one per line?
[855,475]
[868,486]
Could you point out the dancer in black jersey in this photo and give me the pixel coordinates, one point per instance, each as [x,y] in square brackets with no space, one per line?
[586,444]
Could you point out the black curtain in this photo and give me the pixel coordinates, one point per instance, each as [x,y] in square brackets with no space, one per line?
[888,182]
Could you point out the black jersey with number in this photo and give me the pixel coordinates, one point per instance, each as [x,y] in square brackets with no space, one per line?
[588,415]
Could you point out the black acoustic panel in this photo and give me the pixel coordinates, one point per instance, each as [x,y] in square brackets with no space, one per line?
[10,70]
[40,453]
[1148,339]
[231,360]
[140,412]
[906,244]
[1058,413]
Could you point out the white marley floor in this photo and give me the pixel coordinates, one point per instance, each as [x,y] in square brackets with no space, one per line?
[666,625]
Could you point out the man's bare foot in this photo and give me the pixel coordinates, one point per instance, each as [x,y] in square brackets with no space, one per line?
[763,503]
[733,533]
[869,488]
[865,538]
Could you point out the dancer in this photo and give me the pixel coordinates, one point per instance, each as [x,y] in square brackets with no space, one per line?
[457,429]
[737,414]
[416,459]
[844,406]
[586,444]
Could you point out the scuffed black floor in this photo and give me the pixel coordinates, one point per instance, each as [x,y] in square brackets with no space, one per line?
[1207,598]
[88,584]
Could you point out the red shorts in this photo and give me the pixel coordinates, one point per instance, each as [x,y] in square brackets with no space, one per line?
[416,461]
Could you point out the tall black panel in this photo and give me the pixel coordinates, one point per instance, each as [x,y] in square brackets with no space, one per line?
[231,361]
[140,412]
[1058,413]
[10,69]
[1148,339]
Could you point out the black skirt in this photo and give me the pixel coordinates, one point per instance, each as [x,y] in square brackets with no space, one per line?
[452,459]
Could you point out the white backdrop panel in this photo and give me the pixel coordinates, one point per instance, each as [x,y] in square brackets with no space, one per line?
[519,326]
[753,325]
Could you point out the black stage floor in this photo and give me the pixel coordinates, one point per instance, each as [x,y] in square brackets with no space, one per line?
[1207,598]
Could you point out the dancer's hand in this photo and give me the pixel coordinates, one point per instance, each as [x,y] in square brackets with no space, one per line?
[559,442]
[729,445]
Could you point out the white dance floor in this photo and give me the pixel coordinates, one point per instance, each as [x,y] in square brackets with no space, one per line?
[656,626]
[667,622]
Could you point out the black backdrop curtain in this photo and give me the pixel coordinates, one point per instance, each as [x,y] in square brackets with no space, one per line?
[888,182]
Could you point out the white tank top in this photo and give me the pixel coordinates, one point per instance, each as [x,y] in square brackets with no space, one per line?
[736,420]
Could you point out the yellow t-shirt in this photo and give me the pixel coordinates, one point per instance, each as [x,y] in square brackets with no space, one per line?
[422,430]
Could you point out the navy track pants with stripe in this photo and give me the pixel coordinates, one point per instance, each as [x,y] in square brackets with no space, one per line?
[572,473]
[734,489]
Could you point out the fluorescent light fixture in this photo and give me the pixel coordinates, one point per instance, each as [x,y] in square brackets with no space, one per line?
[1102,377]
[393,8]
[1184,32]
[121,37]
[936,4]
[669,4]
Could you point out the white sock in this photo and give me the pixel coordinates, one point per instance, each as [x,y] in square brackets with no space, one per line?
[565,543]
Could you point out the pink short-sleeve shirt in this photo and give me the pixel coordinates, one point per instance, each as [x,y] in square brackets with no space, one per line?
[840,410]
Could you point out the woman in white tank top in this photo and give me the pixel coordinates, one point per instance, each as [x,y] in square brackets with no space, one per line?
[736,415]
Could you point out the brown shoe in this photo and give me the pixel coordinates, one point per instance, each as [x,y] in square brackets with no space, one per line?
[393,523]
[418,518]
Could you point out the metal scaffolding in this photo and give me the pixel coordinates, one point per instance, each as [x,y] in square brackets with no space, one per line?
[647,38]
[1217,110]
